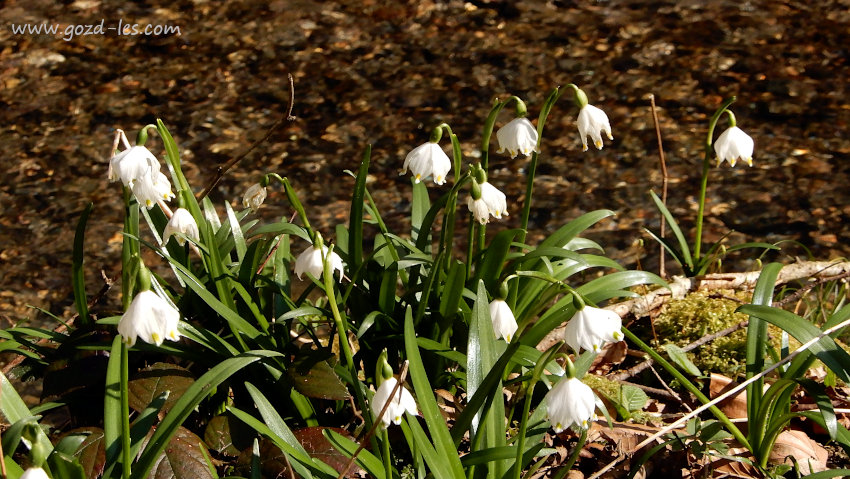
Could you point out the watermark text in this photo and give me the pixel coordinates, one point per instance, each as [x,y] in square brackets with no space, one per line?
[69,32]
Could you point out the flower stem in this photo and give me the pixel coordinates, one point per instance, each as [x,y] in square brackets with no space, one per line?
[125,408]
[706,165]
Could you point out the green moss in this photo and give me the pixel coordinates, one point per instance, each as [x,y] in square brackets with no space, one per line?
[699,314]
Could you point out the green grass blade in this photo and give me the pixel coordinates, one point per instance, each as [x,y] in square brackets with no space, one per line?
[757,336]
[112,413]
[685,250]
[78,278]
[355,220]
[443,443]
[273,420]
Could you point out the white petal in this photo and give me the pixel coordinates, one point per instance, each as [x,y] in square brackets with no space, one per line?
[504,322]
[590,328]
[593,122]
[428,159]
[570,402]
[518,136]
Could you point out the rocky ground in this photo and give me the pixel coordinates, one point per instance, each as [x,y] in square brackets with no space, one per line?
[384,72]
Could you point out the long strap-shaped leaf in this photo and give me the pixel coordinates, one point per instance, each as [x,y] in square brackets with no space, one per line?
[449,465]
[757,338]
[187,403]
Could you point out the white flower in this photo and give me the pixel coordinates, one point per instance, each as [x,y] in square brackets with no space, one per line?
[34,473]
[132,164]
[518,136]
[590,328]
[254,197]
[593,122]
[181,225]
[733,145]
[310,261]
[401,401]
[492,202]
[479,210]
[427,159]
[495,200]
[504,322]
[570,402]
[151,318]
[151,188]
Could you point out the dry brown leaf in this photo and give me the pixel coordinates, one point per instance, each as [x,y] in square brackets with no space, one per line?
[612,355]
[806,452]
[735,406]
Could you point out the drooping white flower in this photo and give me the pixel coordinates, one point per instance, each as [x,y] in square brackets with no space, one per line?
[494,199]
[492,203]
[181,225]
[34,473]
[401,402]
[518,136]
[590,328]
[254,196]
[733,145]
[570,402]
[504,322]
[310,261]
[152,188]
[150,318]
[132,164]
[427,159]
[593,122]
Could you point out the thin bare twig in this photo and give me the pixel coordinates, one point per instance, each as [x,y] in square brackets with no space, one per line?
[699,342]
[664,180]
[222,169]
[402,375]
[669,389]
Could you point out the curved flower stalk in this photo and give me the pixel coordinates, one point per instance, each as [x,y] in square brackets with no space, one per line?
[570,403]
[590,328]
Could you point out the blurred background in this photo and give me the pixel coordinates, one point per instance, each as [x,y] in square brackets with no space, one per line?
[384,72]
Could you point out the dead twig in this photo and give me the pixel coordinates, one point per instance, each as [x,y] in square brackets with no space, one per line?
[662,271]
[222,169]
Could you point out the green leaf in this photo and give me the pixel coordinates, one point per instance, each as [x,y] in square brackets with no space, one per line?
[803,331]
[355,220]
[273,420]
[680,357]
[566,233]
[632,398]
[818,392]
[78,277]
[419,208]
[187,403]
[316,444]
[236,229]
[494,258]
[684,249]
[347,446]
[448,465]
[112,411]
[65,466]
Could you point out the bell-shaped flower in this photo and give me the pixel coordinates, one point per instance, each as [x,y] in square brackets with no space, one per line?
[34,473]
[310,261]
[733,145]
[518,136]
[150,318]
[401,402]
[182,225]
[131,165]
[427,159]
[569,403]
[152,188]
[492,203]
[590,328]
[593,122]
[254,196]
[504,322]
